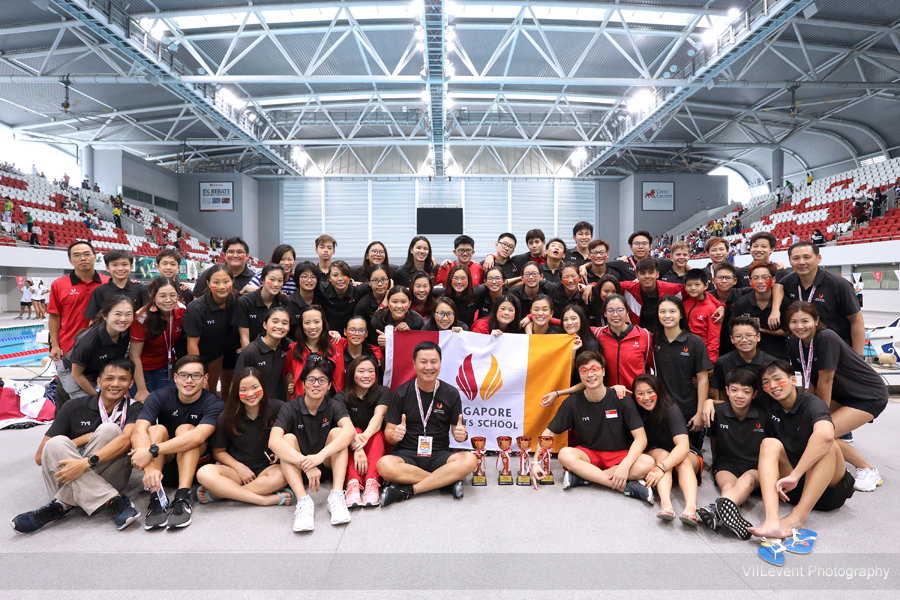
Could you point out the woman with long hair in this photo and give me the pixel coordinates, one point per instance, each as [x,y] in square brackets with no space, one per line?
[250,307]
[541,313]
[208,328]
[461,291]
[504,317]
[337,296]
[314,338]
[418,258]
[155,332]
[376,254]
[423,294]
[487,293]
[240,445]
[444,318]
[379,279]
[606,286]
[397,313]
[268,352]
[356,333]
[283,255]
[306,278]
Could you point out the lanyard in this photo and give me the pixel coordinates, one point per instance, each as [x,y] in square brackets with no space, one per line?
[812,292]
[807,363]
[633,266]
[167,338]
[116,415]
[422,413]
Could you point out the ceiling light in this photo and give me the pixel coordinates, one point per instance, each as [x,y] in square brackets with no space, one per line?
[640,101]
[579,155]
[420,33]
[426,97]
[448,102]
[451,34]
[733,13]
[709,37]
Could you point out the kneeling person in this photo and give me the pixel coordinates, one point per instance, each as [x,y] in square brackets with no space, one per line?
[420,415]
[83,457]
[174,425]
[610,432]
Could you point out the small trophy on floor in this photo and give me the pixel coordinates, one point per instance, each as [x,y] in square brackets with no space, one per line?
[546,442]
[479,477]
[504,442]
[524,477]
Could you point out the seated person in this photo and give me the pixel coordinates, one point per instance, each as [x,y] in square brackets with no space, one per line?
[240,445]
[420,415]
[736,434]
[174,427]
[610,432]
[799,461]
[311,430]
[100,425]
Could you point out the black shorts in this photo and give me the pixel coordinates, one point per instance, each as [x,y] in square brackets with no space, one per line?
[431,464]
[229,359]
[831,498]
[733,465]
[873,407]
[24,303]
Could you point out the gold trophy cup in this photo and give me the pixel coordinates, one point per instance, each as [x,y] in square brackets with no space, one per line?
[479,477]
[524,476]
[504,442]
[546,442]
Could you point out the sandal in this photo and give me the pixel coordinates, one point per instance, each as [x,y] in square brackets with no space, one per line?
[286,495]
[801,542]
[689,518]
[204,496]
[771,551]
[666,514]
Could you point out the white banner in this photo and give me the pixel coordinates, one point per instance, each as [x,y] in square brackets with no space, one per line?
[216,196]
[658,195]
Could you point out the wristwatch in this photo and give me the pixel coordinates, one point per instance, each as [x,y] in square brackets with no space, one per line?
[93,460]
[154,450]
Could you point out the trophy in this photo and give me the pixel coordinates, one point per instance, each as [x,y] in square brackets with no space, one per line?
[504,442]
[546,442]
[524,477]
[478,444]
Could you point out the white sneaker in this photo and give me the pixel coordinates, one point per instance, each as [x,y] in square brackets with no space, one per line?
[867,480]
[304,515]
[337,506]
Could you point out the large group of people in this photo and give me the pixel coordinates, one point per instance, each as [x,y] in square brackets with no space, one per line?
[257,387]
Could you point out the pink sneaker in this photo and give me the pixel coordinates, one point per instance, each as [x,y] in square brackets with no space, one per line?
[371,496]
[353,499]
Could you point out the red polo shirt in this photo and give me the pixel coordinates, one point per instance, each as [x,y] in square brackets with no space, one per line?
[69,298]
[158,352]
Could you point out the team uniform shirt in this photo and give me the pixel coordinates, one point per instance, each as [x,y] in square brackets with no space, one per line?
[412,319]
[610,270]
[296,304]
[483,302]
[338,310]
[670,276]
[131,290]
[158,352]
[94,348]
[832,295]
[524,301]
[731,361]
[774,345]
[404,274]
[730,302]
[249,447]
[81,416]
[361,414]
[663,435]
[359,272]
[205,319]
[641,306]
[700,321]
[184,296]
[446,407]
[603,426]
[677,363]
[475,270]
[366,307]
[794,427]
[855,384]
[557,292]
[523,259]
[164,407]
[466,309]
[240,281]
[549,275]
[250,309]
[289,286]
[743,276]
[311,429]
[627,355]
[737,440]
[510,268]
[69,297]
[574,256]
[270,362]
[628,267]
[294,367]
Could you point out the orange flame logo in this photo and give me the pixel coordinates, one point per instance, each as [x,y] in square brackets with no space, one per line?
[492,381]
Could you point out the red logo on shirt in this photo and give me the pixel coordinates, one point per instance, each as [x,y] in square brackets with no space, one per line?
[821,296]
[685,349]
[439,406]
[759,426]
[324,420]
[611,414]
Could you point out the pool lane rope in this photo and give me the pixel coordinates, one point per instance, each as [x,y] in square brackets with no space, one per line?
[25,353]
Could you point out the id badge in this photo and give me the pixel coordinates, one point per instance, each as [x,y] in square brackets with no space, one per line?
[163,499]
[170,372]
[424,448]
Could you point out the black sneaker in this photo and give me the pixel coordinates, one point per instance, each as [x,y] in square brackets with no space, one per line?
[730,516]
[396,493]
[708,515]
[456,489]
[29,522]
[570,479]
[847,437]
[180,512]
[123,511]
[156,516]
[638,489]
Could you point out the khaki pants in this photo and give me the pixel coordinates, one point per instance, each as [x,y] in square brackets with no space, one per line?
[96,486]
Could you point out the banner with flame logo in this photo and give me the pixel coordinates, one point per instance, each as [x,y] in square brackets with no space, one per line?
[500,380]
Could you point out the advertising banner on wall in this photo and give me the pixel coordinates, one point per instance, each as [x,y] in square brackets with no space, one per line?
[658,195]
[216,196]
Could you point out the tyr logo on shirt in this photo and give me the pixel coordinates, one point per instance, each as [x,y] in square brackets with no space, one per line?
[585,418]
[252,316]
[213,322]
[85,423]
[261,364]
[723,426]
[776,419]
[194,417]
[102,357]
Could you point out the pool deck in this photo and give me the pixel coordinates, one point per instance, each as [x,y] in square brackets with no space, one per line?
[8,319]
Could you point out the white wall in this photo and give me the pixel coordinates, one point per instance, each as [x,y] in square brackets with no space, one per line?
[143,176]
[242,221]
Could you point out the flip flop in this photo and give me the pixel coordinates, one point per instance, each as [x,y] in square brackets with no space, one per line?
[204,496]
[689,518]
[666,514]
[286,495]
[771,551]
[730,516]
[801,542]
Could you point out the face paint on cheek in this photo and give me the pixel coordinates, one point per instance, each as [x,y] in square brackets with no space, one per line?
[767,387]
[652,396]
[242,395]
[769,284]
[258,392]
[213,287]
[784,384]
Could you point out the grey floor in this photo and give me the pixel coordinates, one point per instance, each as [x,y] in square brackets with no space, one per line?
[497,541]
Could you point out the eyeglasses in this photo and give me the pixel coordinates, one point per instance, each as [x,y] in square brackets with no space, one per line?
[377,252]
[465,251]
[506,246]
[238,253]
[744,337]
[357,331]
[590,370]
[381,281]
[639,244]
[724,277]
[615,311]
[314,380]
[81,255]
[445,314]
[192,376]
[599,253]
[494,280]
[308,278]
[761,278]
[531,275]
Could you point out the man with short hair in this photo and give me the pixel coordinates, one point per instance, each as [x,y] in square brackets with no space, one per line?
[744,334]
[556,254]
[728,294]
[463,249]
[173,430]
[237,251]
[639,242]
[642,296]
[582,233]
[83,456]
[325,247]
[168,263]
[681,253]
[505,246]
[119,264]
[534,239]
[420,416]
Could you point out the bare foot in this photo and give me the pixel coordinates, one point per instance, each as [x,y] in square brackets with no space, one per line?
[771,530]
[792,521]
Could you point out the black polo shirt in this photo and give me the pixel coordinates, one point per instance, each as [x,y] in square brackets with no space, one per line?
[296,304]
[510,269]
[483,302]
[523,259]
[184,296]
[593,278]
[794,427]
[250,446]
[339,310]
[250,309]
[524,301]
[241,280]
[361,414]
[206,320]
[834,298]
[677,363]
[465,309]
[730,302]
[403,275]
[94,348]
[603,426]
[649,310]
[131,290]
[573,256]
[365,308]
[270,362]
[670,276]
[164,407]
[81,416]
[359,271]
[311,429]
[743,276]
[663,435]
[736,438]
[627,267]
[557,292]
[773,345]
[413,319]
[444,414]
[731,361]
[549,275]
[855,382]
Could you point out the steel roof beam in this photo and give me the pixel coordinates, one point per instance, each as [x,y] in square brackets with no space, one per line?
[435,79]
